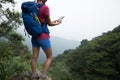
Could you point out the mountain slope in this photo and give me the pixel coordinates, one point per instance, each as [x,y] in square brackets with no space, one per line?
[97,59]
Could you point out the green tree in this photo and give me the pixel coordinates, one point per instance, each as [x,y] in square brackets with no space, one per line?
[98,59]
[14,56]
[14,59]
[59,70]
[9,18]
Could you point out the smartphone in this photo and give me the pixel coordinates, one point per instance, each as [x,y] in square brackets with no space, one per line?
[60,19]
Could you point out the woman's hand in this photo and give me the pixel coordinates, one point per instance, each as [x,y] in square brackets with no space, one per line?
[57,22]
[52,23]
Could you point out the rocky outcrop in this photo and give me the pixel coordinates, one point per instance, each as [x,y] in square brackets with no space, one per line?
[23,76]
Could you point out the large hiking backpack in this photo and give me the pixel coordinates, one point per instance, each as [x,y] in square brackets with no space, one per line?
[31,20]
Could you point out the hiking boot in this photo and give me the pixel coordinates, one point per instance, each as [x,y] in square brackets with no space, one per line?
[39,73]
[48,78]
[44,77]
[34,76]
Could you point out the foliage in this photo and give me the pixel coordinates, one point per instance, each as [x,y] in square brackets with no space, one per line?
[59,70]
[14,56]
[98,59]
[14,59]
[9,18]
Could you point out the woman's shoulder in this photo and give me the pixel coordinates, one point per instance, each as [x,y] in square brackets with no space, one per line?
[45,6]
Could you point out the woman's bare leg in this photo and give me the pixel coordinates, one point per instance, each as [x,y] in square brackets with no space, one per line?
[34,59]
[48,61]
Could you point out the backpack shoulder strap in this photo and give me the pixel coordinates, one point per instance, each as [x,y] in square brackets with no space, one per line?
[39,5]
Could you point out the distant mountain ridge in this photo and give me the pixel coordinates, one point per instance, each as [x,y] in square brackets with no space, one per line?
[59,44]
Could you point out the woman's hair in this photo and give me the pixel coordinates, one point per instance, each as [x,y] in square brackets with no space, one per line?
[39,0]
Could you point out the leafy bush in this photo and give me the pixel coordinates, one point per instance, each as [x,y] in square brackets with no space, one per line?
[14,59]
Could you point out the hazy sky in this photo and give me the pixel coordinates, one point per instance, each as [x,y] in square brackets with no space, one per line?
[84,19]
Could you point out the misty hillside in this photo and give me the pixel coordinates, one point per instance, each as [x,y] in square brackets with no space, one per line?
[60,45]
[97,59]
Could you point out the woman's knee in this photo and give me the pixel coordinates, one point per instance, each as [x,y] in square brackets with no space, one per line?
[34,58]
[48,53]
